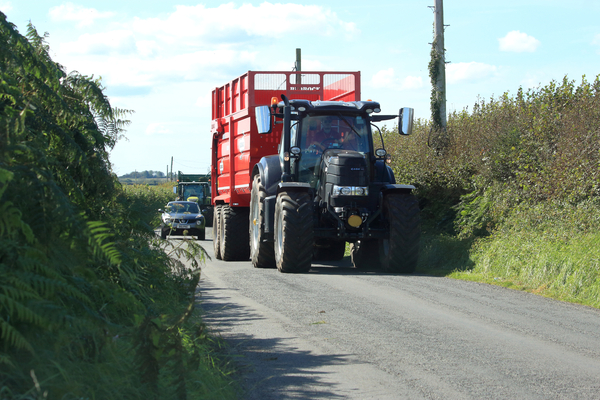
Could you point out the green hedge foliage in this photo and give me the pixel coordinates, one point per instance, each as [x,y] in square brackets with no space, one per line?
[92,303]
[539,145]
[510,192]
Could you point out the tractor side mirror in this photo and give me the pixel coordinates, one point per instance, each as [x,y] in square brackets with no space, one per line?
[406,121]
[263,119]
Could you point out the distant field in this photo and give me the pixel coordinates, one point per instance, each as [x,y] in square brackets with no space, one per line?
[145,181]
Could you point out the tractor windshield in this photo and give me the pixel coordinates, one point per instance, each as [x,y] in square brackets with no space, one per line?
[192,190]
[322,132]
[317,133]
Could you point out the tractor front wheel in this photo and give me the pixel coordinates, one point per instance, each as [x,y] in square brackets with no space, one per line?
[294,233]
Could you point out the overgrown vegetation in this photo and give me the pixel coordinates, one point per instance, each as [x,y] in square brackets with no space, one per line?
[515,196]
[92,303]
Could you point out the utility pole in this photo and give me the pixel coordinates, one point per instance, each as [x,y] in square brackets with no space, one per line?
[298,60]
[171,168]
[298,65]
[438,64]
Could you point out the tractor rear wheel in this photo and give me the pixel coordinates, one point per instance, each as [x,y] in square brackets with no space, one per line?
[294,233]
[261,253]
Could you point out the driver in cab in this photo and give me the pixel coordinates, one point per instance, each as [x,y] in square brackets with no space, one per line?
[326,137]
[334,133]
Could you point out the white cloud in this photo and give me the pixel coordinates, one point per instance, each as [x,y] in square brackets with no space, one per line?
[147,48]
[6,6]
[596,41]
[156,128]
[105,43]
[383,78]
[199,25]
[205,100]
[387,78]
[518,42]
[469,72]
[412,82]
[75,12]
[192,42]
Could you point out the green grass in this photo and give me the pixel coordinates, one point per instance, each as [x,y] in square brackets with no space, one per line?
[442,253]
[551,249]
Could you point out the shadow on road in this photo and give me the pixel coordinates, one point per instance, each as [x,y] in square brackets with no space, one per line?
[345,267]
[270,367]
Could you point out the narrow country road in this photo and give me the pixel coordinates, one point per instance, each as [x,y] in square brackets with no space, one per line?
[339,333]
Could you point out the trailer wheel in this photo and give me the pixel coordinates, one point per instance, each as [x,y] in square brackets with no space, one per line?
[261,253]
[331,251]
[235,243]
[365,254]
[294,234]
[400,253]
[216,230]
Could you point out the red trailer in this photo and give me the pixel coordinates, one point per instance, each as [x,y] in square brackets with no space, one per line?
[237,146]
[233,117]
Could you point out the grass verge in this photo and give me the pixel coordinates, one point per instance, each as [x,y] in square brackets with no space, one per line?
[551,249]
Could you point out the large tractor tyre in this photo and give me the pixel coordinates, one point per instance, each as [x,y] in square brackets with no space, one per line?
[332,251]
[294,234]
[365,254]
[216,232]
[400,253]
[235,243]
[262,253]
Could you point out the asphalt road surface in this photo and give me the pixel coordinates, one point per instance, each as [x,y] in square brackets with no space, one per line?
[339,333]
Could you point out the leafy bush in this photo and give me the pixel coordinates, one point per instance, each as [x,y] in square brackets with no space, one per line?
[518,176]
[540,145]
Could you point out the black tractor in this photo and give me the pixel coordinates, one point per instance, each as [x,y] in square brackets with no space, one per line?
[328,186]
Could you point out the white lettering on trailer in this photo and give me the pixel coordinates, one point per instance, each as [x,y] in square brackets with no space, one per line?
[306,88]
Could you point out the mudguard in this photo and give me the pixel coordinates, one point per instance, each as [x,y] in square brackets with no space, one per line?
[384,173]
[395,188]
[269,169]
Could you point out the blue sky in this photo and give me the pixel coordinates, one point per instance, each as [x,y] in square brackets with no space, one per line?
[163,58]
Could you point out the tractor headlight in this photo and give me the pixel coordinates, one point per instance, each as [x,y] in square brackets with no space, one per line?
[350,190]
[346,191]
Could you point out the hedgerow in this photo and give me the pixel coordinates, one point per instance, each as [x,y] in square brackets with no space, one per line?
[504,161]
[92,303]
